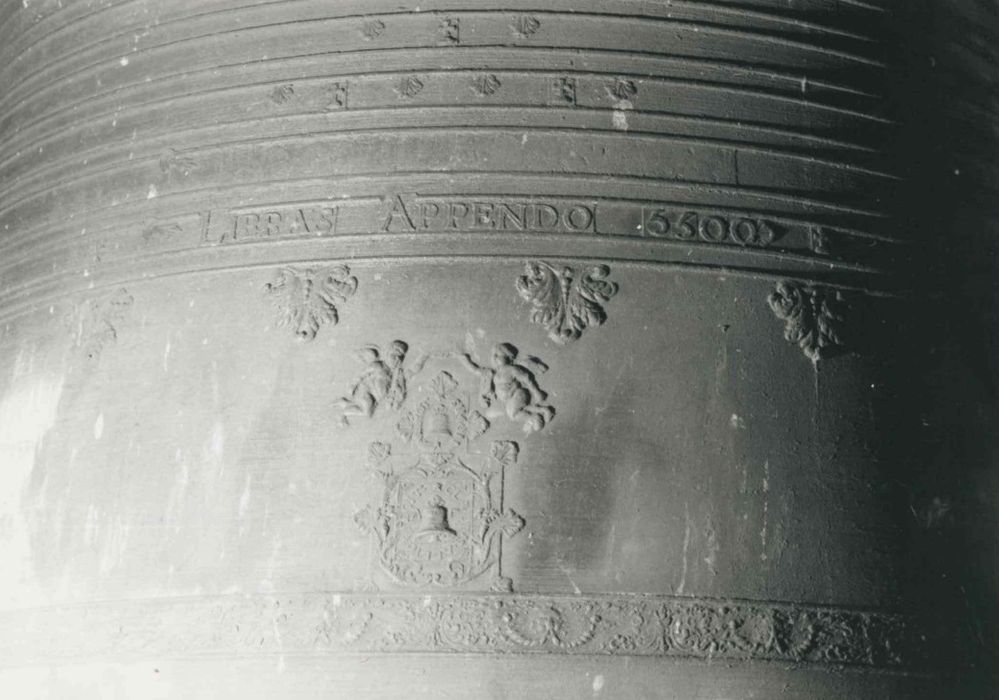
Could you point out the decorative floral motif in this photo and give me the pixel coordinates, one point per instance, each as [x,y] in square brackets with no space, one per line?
[449,30]
[162,231]
[505,452]
[566,302]
[175,164]
[410,87]
[528,624]
[813,317]
[373,29]
[486,84]
[526,25]
[378,452]
[282,93]
[98,320]
[619,625]
[622,89]
[307,299]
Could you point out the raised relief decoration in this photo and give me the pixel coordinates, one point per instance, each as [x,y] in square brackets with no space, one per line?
[251,226]
[282,93]
[509,387]
[372,29]
[97,321]
[335,97]
[813,317]
[439,518]
[818,240]
[383,381]
[486,84]
[176,164]
[449,31]
[566,301]
[307,299]
[409,213]
[409,87]
[441,623]
[622,89]
[563,91]
[694,226]
[526,26]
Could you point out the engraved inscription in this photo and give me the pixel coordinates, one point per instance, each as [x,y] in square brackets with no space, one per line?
[563,91]
[408,213]
[566,301]
[288,222]
[307,299]
[813,317]
[708,228]
[526,26]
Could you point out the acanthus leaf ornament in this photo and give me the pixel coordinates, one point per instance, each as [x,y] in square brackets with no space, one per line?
[566,301]
[813,317]
[307,299]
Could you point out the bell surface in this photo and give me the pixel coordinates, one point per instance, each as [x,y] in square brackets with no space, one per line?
[454,349]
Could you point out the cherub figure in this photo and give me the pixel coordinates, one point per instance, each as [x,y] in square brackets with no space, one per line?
[510,387]
[383,380]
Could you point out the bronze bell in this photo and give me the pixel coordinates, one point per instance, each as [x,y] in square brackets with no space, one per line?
[686,312]
[433,521]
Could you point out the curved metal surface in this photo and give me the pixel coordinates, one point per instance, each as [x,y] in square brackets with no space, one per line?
[469,350]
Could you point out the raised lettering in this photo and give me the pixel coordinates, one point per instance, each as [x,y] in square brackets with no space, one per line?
[398,210]
[483,215]
[454,206]
[579,218]
[511,220]
[428,212]
[546,217]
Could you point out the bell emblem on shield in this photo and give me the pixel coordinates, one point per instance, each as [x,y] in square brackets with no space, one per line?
[433,521]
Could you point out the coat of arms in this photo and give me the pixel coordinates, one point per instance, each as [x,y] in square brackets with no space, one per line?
[440,519]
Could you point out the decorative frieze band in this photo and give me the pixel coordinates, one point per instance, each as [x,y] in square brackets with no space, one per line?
[628,625]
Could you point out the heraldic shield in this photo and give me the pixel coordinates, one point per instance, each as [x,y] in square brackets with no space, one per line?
[441,518]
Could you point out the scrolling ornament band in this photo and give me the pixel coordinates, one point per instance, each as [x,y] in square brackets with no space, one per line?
[619,625]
